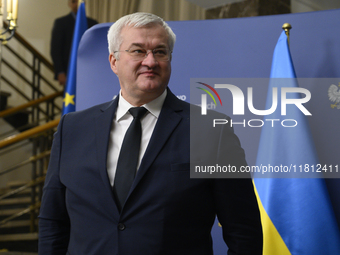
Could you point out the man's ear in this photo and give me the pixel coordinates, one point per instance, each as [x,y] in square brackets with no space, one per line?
[113,62]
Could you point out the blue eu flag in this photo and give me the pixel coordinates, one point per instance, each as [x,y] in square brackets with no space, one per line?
[70,88]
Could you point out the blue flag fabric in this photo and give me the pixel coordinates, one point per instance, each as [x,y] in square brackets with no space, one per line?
[298,208]
[70,88]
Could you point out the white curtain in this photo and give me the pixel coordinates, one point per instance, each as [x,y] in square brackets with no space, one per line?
[111,10]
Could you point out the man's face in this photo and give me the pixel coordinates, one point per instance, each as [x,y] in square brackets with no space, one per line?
[142,80]
[73,4]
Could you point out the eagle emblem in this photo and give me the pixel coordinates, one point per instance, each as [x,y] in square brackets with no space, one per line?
[334,95]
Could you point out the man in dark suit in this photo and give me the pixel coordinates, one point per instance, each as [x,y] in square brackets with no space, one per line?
[61,41]
[164,211]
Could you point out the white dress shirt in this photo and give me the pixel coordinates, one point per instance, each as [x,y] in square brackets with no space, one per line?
[121,123]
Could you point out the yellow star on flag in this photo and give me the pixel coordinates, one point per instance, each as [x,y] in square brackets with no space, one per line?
[68,99]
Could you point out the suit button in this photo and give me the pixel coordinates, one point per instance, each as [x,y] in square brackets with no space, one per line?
[121,226]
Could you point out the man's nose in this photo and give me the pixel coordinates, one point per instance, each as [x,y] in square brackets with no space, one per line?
[150,59]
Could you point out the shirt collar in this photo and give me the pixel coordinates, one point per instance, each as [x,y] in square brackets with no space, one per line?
[154,107]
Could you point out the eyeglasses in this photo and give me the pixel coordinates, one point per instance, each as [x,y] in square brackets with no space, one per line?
[139,54]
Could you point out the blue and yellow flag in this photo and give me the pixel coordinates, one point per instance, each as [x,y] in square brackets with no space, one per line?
[70,88]
[296,213]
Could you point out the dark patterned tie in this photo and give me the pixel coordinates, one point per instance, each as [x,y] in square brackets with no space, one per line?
[128,157]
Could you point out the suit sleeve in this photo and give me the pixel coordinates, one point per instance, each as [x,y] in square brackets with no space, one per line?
[57,48]
[54,225]
[236,205]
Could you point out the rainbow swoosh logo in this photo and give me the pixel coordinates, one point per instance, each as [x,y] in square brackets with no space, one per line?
[209,93]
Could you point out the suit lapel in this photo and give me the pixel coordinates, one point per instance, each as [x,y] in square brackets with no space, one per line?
[103,128]
[167,122]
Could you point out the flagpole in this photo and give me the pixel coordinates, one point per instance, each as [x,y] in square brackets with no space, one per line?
[287,27]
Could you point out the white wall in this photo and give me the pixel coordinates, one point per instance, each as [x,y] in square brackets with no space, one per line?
[35,21]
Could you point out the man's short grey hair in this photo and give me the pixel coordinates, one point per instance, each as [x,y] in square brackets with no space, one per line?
[138,19]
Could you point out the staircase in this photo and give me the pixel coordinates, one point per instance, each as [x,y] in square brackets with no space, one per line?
[26,133]
[19,121]
[16,235]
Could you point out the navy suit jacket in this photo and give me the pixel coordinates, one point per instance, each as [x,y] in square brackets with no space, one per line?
[166,212]
[61,41]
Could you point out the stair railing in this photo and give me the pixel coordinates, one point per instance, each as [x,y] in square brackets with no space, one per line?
[41,137]
[24,65]
[28,74]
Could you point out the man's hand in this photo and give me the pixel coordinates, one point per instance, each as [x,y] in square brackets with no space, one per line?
[62,79]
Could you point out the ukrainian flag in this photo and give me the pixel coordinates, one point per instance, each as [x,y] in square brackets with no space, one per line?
[70,88]
[296,213]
